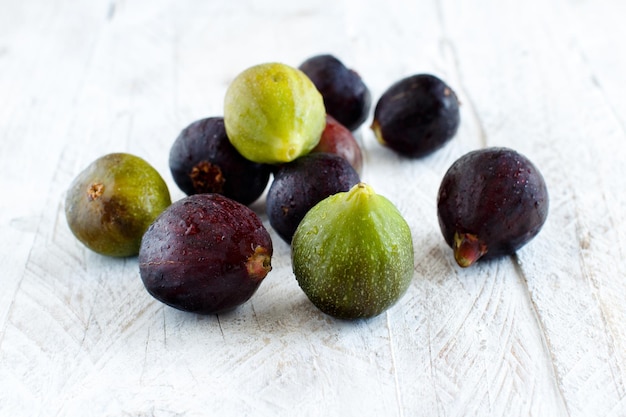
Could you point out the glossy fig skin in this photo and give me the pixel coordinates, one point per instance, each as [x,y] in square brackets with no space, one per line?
[205,254]
[346,97]
[490,203]
[202,160]
[301,184]
[338,139]
[416,115]
[112,202]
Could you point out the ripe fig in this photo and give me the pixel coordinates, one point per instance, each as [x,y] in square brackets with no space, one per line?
[202,160]
[490,203]
[273,113]
[111,203]
[416,116]
[205,254]
[301,184]
[346,96]
[337,139]
[352,254]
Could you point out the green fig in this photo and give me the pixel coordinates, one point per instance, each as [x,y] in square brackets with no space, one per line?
[273,113]
[352,254]
[111,203]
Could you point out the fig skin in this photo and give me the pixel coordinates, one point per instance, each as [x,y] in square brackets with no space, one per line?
[205,254]
[301,184]
[490,203]
[338,139]
[273,113]
[352,254]
[416,115]
[346,97]
[111,203]
[202,160]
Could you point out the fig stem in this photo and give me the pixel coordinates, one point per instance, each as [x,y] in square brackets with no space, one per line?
[259,263]
[378,133]
[468,248]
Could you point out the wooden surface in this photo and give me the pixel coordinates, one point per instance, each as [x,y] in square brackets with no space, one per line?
[542,333]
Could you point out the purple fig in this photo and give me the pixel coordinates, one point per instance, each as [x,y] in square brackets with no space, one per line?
[491,202]
[346,97]
[301,184]
[202,160]
[205,254]
[338,139]
[416,116]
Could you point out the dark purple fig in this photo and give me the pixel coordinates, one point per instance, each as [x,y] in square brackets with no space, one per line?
[346,97]
[301,184]
[202,160]
[416,116]
[205,254]
[337,139]
[491,202]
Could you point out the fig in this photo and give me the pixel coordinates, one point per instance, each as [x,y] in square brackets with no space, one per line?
[111,203]
[273,113]
[301,184]
[346,97]
[205,254]
[337,139]
[416,115]
[352,254]
[490,203]
[202,160]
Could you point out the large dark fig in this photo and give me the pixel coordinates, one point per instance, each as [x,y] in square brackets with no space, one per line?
[202,160]
[337,139]
[491,202]
[346,97]
[416,116]
[301,184]
[205,254]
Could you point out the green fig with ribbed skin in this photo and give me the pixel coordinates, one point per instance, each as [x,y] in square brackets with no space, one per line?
[273,113]
[352,254]
[111,203]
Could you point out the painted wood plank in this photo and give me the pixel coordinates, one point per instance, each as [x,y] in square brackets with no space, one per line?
[541,333]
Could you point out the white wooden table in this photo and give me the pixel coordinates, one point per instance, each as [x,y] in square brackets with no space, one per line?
[542,333]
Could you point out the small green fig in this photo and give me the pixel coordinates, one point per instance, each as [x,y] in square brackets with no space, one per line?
[352,254]
[273,113]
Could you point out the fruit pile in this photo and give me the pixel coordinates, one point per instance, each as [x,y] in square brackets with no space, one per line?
[351,249]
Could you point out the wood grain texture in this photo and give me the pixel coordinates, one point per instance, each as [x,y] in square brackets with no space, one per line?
[541,333]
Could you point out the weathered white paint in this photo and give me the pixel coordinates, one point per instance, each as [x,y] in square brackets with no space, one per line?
[542,333]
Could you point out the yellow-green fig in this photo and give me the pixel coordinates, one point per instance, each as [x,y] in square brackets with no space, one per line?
[273,113]
[111,203]
[352,254]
